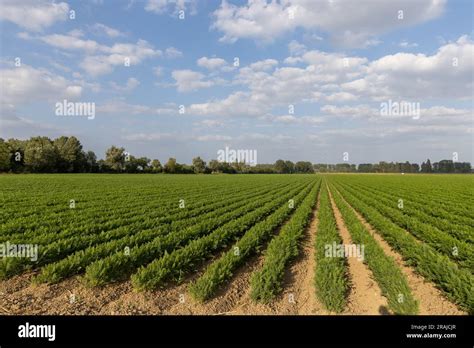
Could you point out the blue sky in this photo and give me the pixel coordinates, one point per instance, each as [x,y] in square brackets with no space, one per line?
[334,62]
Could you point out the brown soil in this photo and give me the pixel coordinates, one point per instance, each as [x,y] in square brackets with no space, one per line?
[71,297]
[431,299]
[365,296]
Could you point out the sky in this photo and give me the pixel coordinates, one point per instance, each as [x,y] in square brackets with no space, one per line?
[292,79]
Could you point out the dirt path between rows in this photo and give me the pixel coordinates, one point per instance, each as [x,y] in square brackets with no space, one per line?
[365,296]
[298,296]
[431,299]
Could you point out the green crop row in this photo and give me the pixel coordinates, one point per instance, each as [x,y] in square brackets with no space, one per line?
[456,283]
[459,251]
[119,265]
[331,279]
[267,282]
[420,211]
[388,275]
[222,269]
[176,264]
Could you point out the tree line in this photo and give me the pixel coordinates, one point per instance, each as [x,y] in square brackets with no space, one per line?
[66,155]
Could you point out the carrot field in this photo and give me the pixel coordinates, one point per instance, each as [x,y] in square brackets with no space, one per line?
[237,244]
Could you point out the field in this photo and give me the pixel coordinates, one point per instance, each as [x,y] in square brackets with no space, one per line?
[236,244]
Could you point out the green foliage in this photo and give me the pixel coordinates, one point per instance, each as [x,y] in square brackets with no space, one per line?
[267,282]
[222,269]
[331,281]
[388,275]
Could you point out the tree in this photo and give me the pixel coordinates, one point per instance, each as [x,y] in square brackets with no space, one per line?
[199,165]
[41,155]
[70,154]
[143,163]
[304,167]
[281,167]
[156,166]
[17,150]
[4,156]
[426,167]
[115,158]
[214,166]
[90,160]
[365,168]
[291,166]
[170,166]
[445,166]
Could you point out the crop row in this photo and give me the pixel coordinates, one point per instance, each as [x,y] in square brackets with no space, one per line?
[388,275]
[267,282]
[455,282]
[176,264]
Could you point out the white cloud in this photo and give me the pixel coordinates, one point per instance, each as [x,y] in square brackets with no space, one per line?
[210,123]
[213,137]
[236,104]
[171,6]
[108,31]
[102,59]
[33,15]
[172,52]
[348,23]
[130,85]
[264,65]
[118,55]
[188,80]
[447,73]
[71,42]
[296,48]
[25,84]
[211,63]
[406,44]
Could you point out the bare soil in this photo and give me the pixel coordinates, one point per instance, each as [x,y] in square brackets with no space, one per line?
[431,300]
[365,296]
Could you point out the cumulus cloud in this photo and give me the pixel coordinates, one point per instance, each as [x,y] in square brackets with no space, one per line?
[171,6]
[188,80]
[347,22]
[99,58]
[106,30]
[129,86]
[172,52]
[211,63]
[336,78]
[34,15]
[25,84]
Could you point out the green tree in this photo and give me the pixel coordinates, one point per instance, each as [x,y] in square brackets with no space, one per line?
[115,158]
[170,166]
[5,156]
[199,165]
[41,155]
[304,167]
[71,158]
[214,166]
[281,167]
[17,150]
[156,166]
[291,166]
[90,160]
